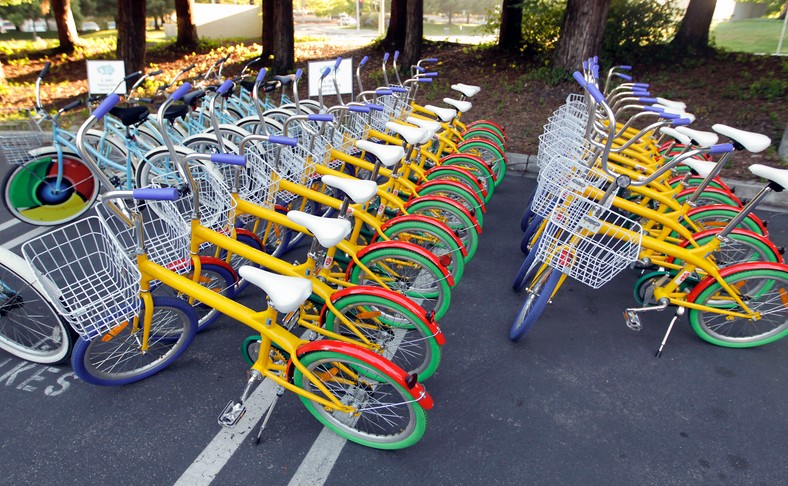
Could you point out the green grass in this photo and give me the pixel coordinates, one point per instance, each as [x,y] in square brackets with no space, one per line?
[751,35]
[454,29]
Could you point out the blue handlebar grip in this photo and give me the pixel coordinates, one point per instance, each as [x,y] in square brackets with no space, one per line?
[299,72]
[358,109]
[579,78]
[653,109]
[596,59]
[283,140]
[647,100]
[396,55]
[431,59]
[398,89]
[679,122]
[625,77]
[336,64]
[326,71]
[721,148]
[419,69]
[375,106]
[155,194]
[363,60]
[229,159]
[641,85]
[385,58]
[106,105]
[585,65]
[625,67]
[595,71]
[669,116]
[225,87]
[595,93]
[424,80]
[641,93]
[178,94]
[321,117]
[383,91]
[261,74]
[431,75]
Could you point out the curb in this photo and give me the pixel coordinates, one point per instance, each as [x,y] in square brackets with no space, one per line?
[525,166]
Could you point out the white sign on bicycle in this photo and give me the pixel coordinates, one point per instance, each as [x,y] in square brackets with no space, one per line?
[344,77]
[104,76]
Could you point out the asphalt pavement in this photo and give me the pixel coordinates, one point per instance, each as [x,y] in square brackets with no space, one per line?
[581,399]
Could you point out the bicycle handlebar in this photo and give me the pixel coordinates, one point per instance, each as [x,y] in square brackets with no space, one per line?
[155,194]
[182,90]
[106,105]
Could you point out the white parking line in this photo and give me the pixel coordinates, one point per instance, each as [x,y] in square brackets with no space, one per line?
[26,237]
[320,460]
[8,224]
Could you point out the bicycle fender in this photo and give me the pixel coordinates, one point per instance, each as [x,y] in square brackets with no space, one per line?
[752,216]
[475,158]
[421,219]
[451,169]
[416,390]
[738,231]
[402,245]
[688,191]
[497,125]
[725,272]
[445,200]
[204,259]
[479,203]
[428,318]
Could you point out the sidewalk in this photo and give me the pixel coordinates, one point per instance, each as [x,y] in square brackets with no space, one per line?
[525,165]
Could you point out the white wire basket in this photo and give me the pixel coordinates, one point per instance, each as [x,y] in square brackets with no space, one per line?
[577,241]
[256,184]
[18,137]
[561,177]
[87,276]
[552,144]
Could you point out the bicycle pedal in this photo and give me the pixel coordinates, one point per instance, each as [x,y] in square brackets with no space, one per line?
[232,414]
[632,320]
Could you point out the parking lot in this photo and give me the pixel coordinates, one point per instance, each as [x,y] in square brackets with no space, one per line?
[580,399]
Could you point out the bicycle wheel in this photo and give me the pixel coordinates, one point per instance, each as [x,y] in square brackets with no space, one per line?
[117,359]
[475,166]
[456,192]
[408,273]
[32,193]
[30,328]
[215,275]
[489,125]
[432,238]
[386,415]
[488,152]
[461,176]
[237,261]
[709,217]
[158,163]
[711,197]
[763,288]
[740,246]
[535,302]
[453,218]
[402,336]
[528,235]
[113,150]
[525,273]
[485,134]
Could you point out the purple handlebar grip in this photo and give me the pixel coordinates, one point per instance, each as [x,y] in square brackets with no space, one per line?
[420,69]
[431,59]
[375,106]
[178,94]
[625,67]
[721,148]
[431,75]
[155,194]
[625,77]
[595,93]
[424,80]
[641,85]
[653,109]
[229,159]
[585,65]
[383,91]
[225,87]
[679,122]
[44,71]
[321,117]
[261,74]
[336,64]
[398,89]
[358,109]
[363,60]
[299,72]
[396,55]
[385,58]
[641,92]
[579,78]
[595,71]
[669,116]
[283,140]
[647,100]
[326,71]
[106,105]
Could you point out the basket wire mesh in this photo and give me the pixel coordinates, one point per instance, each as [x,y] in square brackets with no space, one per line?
[87,275]
[561,177]
[18,137]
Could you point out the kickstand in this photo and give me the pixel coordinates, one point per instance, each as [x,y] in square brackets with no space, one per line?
[279,392]
[679,313]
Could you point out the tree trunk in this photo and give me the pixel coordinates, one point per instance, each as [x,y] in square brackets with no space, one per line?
[581,33]
[268,27]
[66,28]
[395,35]
[510,37]
[131,34]
[283,37]
[693,32]
[414,31]
[187,31]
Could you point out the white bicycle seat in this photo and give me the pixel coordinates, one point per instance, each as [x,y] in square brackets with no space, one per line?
[703,139]
[778,176]
[702,167]
[328,231]
[462,106]
[445,114]
[285,293]
[673,104]
[469,91]
[673,133]
[358,190]
[387,154]
[751,141]
[412,135]
[424,123]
